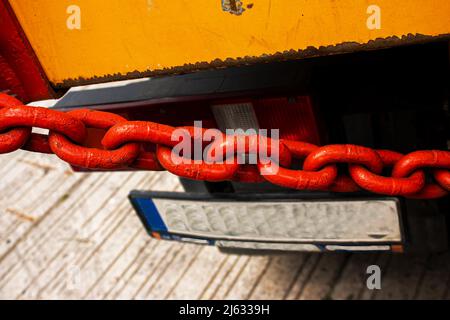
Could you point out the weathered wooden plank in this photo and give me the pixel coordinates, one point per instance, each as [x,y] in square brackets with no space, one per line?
[248,278]
[15,183]
[221,277]
[320,284]
[149,265]
[278,277]
[401,277]
[122,263]
[231,277]
[302,276]
[32,206]
[174,271]
[82,271]
[154,272]
[436,279]
[198,276]
[354,277]
[96,226]
[66,225]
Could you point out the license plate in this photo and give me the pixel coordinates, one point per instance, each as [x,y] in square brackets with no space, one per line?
[264,222]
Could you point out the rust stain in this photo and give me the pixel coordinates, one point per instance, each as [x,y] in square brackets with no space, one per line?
[309,52]
[46,168]
[21,215]
[233,6]
[84,241]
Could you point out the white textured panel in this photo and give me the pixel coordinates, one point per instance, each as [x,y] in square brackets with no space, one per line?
[371,221]
[235,116]
[268,246]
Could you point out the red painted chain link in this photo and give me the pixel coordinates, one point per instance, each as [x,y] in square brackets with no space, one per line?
[84,157]
[149,146]
[15,138]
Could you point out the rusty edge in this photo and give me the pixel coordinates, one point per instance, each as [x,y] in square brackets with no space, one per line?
[309,52]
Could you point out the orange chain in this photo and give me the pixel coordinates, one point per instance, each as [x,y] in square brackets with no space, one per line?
[125,145]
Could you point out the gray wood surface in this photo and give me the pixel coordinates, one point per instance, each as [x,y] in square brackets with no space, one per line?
[74,235]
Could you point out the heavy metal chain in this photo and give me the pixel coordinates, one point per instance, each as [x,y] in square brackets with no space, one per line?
[148,146]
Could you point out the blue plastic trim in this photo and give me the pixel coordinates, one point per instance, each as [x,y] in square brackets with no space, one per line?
[150,213]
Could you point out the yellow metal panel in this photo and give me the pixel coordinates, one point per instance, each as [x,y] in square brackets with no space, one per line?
[77,40]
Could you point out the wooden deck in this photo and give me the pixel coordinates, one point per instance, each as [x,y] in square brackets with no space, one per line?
[70,235]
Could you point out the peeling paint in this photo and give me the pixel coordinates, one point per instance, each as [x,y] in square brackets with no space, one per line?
[309,52]
[233,6]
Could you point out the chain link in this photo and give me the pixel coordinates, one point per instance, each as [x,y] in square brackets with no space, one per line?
[149,146]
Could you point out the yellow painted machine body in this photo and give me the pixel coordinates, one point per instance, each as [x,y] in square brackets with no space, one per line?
[87,41]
